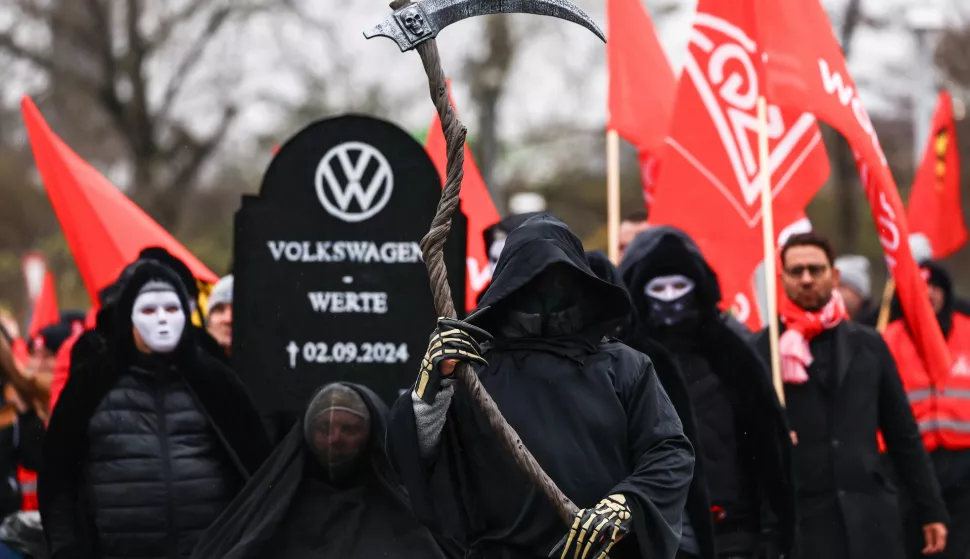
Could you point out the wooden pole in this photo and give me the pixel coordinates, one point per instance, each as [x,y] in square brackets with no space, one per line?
[613,195]
[885,306]
[768,235]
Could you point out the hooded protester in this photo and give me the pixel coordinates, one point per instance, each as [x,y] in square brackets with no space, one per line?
[841,389]
[589,409]
[89,345]
[941,408]
[198,299]
[152,437]
[724,396]
[327,492]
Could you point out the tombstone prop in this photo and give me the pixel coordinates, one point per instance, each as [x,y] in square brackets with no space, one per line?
[330,281]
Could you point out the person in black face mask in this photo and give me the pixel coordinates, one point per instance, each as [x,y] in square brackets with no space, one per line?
[722,391]
[327,491]
[588,408]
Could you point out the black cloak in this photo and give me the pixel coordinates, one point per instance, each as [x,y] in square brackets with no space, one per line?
[222,397]
[600,264]
[665,250]
[365,521]
[589,409]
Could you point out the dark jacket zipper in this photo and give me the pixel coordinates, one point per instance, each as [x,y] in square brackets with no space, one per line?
[159,390]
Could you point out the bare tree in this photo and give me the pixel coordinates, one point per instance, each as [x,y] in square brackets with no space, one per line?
[487,76]
[103,57]
[840,154]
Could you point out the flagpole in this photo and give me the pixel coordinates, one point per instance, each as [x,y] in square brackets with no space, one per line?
[768,235]
[613,195]
[885,305]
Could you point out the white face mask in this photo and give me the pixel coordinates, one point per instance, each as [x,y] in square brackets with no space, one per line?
[668,288]
[159,319]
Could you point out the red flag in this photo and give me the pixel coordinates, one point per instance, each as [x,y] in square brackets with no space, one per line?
[805,68]
[642,85]
[476,203]
[709,182]
[935,208]
[45,311]
[103,228]
[21,352]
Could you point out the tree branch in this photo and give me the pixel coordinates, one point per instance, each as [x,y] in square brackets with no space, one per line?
[167,26]
[190,61]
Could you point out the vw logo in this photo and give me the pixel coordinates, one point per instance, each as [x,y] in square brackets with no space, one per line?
[354,172]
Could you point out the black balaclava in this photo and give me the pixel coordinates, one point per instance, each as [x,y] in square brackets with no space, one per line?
[550,304]
[336,428]
[672,307]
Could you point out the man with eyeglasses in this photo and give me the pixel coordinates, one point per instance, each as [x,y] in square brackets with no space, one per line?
[841,388]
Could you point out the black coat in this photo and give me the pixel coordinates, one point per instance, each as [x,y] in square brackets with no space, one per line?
[761,425]
[836,425]
[67,512]
[590,410]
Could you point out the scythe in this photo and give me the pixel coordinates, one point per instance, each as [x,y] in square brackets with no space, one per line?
[416,26]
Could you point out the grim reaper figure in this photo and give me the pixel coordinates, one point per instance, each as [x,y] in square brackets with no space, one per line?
[327,491]
[589,408]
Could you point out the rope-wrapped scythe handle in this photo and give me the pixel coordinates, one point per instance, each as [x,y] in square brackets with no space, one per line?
[432,246]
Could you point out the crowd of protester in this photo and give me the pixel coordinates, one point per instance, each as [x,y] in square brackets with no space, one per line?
[648,405]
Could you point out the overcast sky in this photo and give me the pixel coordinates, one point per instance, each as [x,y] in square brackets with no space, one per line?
[559,75]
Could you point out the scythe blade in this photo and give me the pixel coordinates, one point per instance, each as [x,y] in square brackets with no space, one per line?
[418,22]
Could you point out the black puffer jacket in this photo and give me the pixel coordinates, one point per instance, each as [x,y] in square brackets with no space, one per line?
[144,452]
[155,470]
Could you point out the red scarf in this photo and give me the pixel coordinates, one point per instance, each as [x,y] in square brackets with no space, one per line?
[801,327]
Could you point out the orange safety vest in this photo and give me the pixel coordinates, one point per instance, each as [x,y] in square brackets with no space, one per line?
[942,408]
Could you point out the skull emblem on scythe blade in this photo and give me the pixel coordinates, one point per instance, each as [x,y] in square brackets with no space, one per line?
[414,21]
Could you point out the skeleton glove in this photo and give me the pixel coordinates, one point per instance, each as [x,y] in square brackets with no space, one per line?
[596,530]
[452,339]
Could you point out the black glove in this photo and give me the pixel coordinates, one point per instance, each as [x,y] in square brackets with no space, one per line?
[596,530]
[452,339]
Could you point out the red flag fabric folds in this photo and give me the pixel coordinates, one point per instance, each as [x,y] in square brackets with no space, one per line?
[805,68]
[709,181]
[103,228]
[935,208]
[46,312]
[642,86]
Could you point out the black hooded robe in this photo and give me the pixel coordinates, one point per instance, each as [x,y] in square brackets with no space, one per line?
[67,505]
[761,434]
[283,514]
[590,410]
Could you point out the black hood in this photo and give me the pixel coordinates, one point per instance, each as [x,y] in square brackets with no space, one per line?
[182,271]
[140,273]
[108,297]
[543,241]
[506,226]
[600,264]
[664,250]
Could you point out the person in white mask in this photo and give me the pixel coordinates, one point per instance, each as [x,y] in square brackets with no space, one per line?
[723,395]
[149,445]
